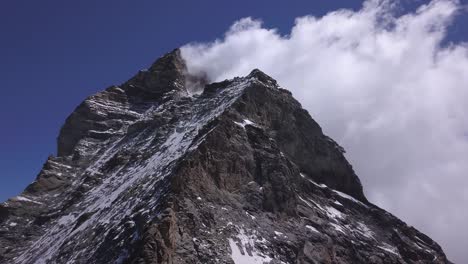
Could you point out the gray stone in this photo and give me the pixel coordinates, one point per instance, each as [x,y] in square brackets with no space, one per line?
[148,172]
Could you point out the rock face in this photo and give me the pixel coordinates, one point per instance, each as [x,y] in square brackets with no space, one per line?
[149,172]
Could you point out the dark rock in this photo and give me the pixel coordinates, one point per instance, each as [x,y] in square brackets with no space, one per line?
[149,172]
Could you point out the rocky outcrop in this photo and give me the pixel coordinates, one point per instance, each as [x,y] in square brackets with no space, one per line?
[157,170]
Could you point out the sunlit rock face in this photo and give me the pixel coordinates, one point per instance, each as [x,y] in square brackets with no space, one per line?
[169,168]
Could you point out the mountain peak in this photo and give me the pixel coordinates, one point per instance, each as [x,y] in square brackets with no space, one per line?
[166,74]
[260,75]
[239,174]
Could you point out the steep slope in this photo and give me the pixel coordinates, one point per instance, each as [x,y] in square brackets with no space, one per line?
[149,172]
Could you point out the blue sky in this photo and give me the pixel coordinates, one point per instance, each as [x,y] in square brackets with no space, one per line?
[56,53]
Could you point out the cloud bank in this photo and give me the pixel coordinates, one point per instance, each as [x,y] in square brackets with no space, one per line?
[386,88]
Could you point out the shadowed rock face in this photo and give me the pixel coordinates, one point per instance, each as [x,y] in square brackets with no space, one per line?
[148,172]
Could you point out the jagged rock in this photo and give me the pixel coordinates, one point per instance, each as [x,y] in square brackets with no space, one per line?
[151,172]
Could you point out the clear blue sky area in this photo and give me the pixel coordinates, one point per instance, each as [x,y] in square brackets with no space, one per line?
[55,53]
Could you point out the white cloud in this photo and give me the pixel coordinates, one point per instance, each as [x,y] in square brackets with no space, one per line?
[386,89]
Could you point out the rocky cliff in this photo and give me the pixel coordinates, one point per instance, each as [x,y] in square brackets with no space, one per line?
[167,168]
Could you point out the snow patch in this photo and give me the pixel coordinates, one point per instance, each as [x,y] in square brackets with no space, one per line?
[243,251]
[338,228]
[311,228]
[306,202]
[386,247]
[251,216]
[321,185]
[278,233]
[25,199]
[119,89]
[244,123]
[346,196]
[365,231]
[337,203]
[333,213]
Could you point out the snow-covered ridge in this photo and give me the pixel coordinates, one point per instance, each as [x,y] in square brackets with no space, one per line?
[134,184]
[116,188]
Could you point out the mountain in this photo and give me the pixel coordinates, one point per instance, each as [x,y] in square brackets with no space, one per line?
[169,168]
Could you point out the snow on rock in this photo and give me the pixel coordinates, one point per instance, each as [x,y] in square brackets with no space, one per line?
[141,177]
[333,213]
[387,248]
[346,196]
[115,181]
[305,201]
[365,231]
[278,233]
[311,228]
[341,194]
[321,185]
[244,123]
[25,199]
[338,228]
[251,216]
[243,250]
